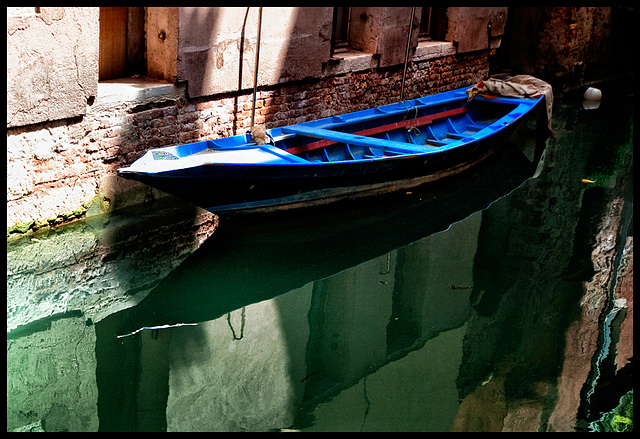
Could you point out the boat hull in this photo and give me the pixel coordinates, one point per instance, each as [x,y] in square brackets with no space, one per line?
[237,189]
[286,181]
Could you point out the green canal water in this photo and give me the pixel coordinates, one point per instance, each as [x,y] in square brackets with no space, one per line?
[456,307]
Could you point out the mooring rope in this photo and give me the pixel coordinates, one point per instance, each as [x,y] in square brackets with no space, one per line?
[406,54]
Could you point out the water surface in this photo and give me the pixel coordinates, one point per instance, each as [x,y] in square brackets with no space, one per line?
[453,307]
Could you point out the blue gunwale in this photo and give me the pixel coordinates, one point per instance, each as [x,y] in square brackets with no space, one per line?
[382,112]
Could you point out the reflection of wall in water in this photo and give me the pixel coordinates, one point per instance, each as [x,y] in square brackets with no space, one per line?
[405,367]
[51,382]
[241,373]
[63,281]
[251,370]
[101,265]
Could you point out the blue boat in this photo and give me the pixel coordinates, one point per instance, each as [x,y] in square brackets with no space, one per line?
[389,148]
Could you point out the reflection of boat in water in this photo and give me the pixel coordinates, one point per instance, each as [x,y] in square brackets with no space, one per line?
[243,263]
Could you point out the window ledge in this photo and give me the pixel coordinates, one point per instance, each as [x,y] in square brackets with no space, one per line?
[433,49]
[137,91]
[354,61]
[350,61]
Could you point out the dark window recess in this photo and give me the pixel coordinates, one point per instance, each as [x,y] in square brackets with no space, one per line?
[122,44]
[340,34]
[434,23]
[425,24]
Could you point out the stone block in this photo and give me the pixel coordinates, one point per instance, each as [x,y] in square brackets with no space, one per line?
[60,74]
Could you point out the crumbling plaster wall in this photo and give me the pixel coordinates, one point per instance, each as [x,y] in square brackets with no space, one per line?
[294,43]
[468,27]
[383,32]
[52,63]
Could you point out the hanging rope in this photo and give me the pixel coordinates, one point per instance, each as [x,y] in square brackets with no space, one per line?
[255,74]
[406,54]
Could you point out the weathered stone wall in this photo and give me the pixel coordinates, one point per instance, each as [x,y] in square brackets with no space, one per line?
[566,46]
[65,140]
[44,395]
[52,63]
[56,169]
[217,46]
[469,27]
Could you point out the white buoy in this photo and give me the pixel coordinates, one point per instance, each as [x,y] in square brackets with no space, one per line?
[593,94]
[590,104]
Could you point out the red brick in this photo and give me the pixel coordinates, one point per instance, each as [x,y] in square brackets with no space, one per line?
[270,110]
[188,136]
[205,105]
[148,114]
[188,117]
[169,129]
[170,111]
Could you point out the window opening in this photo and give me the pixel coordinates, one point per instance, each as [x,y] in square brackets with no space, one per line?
[122,44]
[433,24]
[425,24]
[341,28]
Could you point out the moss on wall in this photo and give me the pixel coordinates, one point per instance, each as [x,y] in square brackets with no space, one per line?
[97,205]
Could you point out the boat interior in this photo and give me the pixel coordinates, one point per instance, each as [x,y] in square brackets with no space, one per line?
[418,130]
[405,128]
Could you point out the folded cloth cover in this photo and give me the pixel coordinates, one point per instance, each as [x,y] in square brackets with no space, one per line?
[520,86]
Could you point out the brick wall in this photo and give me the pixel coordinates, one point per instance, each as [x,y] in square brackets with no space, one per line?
[59,168]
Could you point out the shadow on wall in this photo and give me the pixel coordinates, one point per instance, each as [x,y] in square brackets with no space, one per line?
[181,121]
[222,51]
[218,48]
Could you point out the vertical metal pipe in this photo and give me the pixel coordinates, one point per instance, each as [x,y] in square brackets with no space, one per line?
[406,54]
[255,75]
